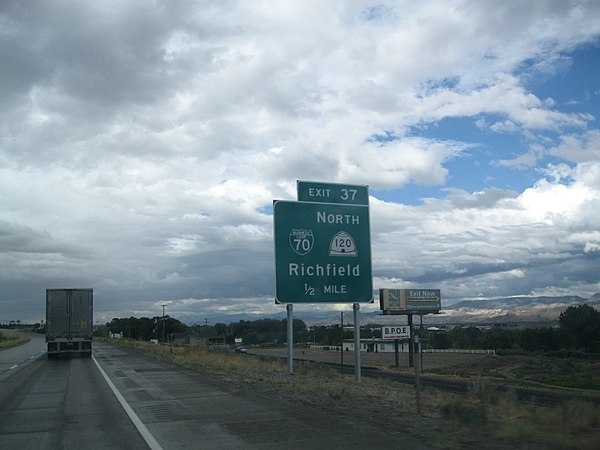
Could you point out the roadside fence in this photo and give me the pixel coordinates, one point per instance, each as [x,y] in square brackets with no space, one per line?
[460,350]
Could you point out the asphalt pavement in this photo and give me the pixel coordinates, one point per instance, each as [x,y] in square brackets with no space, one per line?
[14,358]
[62,404]
[182,409]
[120,400]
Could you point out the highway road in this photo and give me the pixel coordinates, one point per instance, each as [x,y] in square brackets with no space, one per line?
[62,404]
[15,358]
[118,399]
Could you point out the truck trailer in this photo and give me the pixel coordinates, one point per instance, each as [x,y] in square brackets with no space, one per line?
[69,321]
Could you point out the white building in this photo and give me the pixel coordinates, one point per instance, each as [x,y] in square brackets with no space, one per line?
[377,345]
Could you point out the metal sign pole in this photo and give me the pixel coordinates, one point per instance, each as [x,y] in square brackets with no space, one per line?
[342,340]
[421,342]
[290,337]
[418,375]
[356,308]
[411,345]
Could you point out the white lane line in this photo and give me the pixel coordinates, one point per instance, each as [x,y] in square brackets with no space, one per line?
[152,443]
[23,362]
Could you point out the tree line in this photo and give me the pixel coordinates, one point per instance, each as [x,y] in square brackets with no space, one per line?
[579,329]
[144,328]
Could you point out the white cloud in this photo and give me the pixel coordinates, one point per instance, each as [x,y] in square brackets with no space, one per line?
[466,244]
[580,148]
[141,145]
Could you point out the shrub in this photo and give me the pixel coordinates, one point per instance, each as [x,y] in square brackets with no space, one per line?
[469,414]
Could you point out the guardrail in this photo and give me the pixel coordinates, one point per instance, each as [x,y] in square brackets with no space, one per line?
[459,350]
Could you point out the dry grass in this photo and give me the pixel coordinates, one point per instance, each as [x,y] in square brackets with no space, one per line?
[563,372]
[483,420]
[10,340]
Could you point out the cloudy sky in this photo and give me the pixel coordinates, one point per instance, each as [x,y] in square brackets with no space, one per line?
[143,142]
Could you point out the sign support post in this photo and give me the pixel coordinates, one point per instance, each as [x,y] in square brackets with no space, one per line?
[418,377]
[411,345]
[342,341]
[290,337]
[421,342]
[409,302]
[357,369]
[396,333]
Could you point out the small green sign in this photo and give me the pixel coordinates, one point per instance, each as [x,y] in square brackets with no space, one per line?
[322,253]
[348,194]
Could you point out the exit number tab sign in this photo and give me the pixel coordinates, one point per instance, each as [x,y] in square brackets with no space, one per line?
[312,191]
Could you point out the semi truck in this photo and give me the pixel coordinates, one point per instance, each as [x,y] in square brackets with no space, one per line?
[69,315]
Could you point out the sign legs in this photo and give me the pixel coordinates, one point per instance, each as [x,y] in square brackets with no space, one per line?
[418,375]
[357,370]
[290,337]
[411,345]
[342,340]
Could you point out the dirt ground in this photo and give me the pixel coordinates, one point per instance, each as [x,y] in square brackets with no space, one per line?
[366,402]
[386,360]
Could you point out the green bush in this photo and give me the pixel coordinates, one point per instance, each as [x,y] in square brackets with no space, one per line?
[572,354]
[469,414]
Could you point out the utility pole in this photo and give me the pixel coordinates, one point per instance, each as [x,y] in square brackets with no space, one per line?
[163,321]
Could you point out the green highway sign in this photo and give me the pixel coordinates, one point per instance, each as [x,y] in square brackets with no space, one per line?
[322,253]
[349,194]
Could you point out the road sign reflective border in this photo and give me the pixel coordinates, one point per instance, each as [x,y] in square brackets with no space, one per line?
[322,253]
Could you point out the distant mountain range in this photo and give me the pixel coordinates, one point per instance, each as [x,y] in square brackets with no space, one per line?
[492,311]
[511,309]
